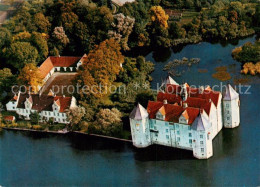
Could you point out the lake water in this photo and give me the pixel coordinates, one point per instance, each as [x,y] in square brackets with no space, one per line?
[35,159]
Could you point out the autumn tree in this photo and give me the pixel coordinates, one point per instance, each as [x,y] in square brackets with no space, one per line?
[109,121]
[41,22]
[20,53]
[30,76]
[101,67]
[159,17]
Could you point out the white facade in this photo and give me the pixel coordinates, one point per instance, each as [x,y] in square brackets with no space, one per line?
[11,106]
[231,108]
[196,137]
[46,115]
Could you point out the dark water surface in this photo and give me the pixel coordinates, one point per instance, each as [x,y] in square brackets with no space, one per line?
[40,159]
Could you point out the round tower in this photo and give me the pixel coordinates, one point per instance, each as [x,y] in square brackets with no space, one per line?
[231,108]
[139,123]
[202,137]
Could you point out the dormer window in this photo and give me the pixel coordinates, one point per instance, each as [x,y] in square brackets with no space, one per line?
[184,118]
[161,113]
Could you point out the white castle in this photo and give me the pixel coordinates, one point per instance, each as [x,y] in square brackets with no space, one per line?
[185,117]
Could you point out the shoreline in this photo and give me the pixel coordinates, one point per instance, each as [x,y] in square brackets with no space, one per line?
[67,132]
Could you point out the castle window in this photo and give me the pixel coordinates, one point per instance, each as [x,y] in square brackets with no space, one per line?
[189,128]
[190,134]
[227,112]
[178,132]
[177,126]
[228,118]
[201,136]
[156,134]
[167,130]
[190,141]
[201,142]
[227,105]
[167,137]
[202,150]
[137,126]
[178,139]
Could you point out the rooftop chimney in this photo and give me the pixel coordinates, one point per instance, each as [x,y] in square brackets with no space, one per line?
[165,101]
[185,105]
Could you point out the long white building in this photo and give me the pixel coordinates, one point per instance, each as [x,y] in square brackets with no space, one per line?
[47,106]
[185,117]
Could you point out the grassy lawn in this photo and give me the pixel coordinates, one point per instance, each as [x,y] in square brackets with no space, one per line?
[106,99]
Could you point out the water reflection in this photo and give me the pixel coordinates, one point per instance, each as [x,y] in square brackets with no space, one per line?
[162,54]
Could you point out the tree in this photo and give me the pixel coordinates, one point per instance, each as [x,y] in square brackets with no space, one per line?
[60,35]
[35,117]
[39,41]
[6,80]
[69,19]
[75,115]
[5,37]
[100,67]
[30,76]
[123,27]
[22,36]
[109,121]
[144,97]
[20,53]
[41,22]
[159,17]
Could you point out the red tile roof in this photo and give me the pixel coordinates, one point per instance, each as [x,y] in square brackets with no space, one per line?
[173,112]
[9,118]
[64,102]
[192,113]
[44,102]
[198,99]
[153,107]
[46,67]
[171,98]
[64,61]
[52,62]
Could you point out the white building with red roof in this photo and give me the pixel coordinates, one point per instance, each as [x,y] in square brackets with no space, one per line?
[49,107]
[59,64]
[185,117]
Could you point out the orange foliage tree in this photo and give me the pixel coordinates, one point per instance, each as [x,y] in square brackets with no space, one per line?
[30,76]
[159,17]
[100,67]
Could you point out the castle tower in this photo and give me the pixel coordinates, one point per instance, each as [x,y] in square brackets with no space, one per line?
[139,123]
[184,92]
[202,137]
[231,108]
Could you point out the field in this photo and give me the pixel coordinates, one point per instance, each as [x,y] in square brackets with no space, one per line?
[187,17]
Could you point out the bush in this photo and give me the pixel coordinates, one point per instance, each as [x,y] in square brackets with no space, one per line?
[37,127]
